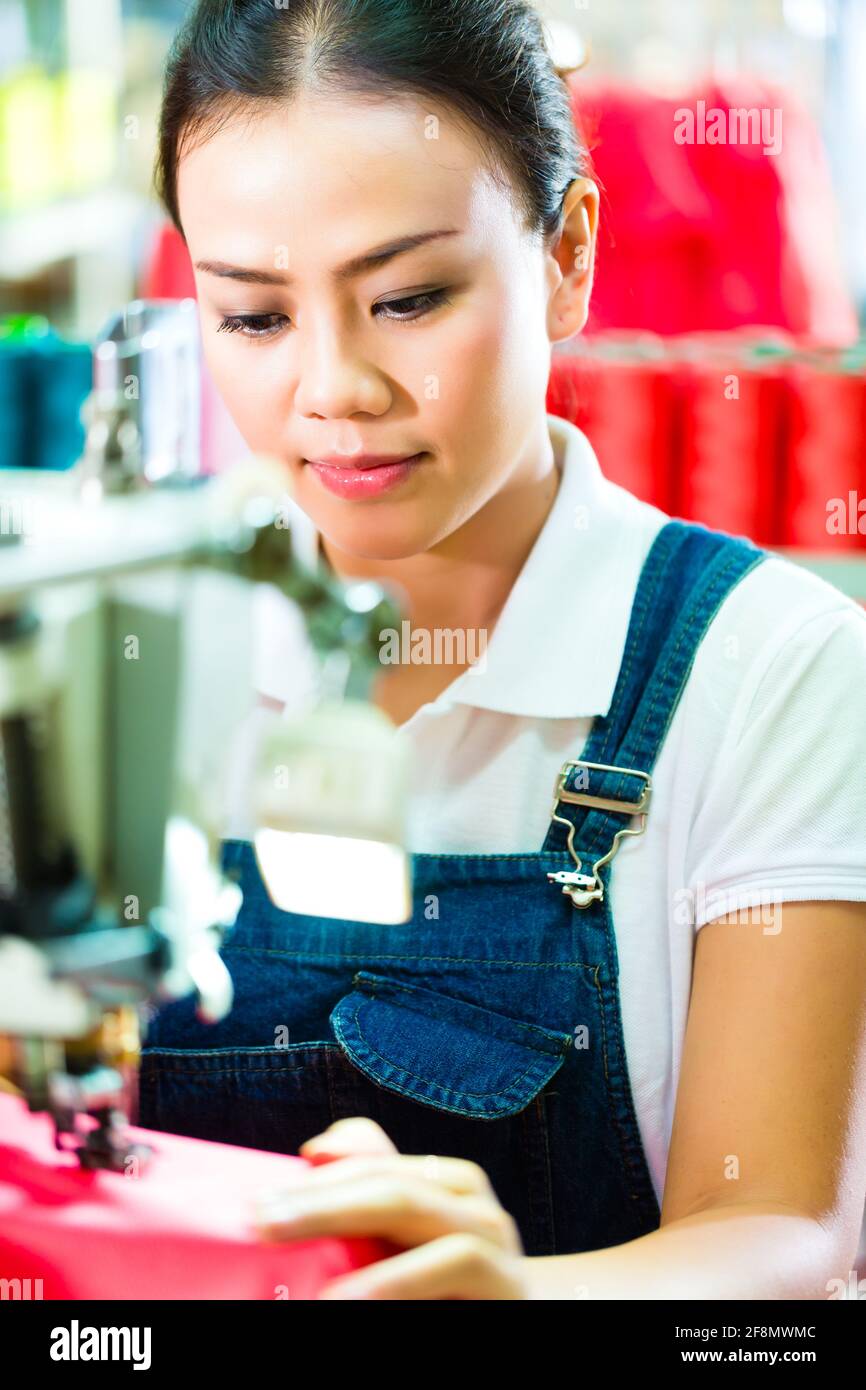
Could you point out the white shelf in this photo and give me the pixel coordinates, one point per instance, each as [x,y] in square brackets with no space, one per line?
[31,241]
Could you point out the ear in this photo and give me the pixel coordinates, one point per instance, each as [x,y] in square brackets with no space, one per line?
[572,261]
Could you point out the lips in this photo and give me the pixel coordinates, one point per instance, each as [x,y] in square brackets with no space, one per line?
[366,475]
[361,461]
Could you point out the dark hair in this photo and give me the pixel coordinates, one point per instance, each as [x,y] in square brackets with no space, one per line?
[487,59]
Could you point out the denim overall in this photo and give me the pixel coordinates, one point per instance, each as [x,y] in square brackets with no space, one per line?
[488,1027]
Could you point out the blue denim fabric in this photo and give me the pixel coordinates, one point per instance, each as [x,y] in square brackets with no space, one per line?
[462,1032]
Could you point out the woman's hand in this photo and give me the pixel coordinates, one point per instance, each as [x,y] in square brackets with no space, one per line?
[458,1241]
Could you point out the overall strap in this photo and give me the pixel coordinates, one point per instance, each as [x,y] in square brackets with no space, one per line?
[686,577]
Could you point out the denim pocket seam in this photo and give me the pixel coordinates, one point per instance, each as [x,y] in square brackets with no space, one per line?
[367,1052]
[167,1056]
[361,956]
[632,1172]
[532,1034]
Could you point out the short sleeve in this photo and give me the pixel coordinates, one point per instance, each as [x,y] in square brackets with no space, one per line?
[783,814]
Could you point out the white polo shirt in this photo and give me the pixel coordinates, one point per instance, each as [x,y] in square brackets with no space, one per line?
[759,792]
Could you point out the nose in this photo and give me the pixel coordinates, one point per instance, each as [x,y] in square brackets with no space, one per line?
[336,380]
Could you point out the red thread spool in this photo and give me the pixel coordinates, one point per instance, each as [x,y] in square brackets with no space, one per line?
[825,457]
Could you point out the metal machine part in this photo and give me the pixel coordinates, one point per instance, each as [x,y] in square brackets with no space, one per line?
[149,356]
[111,896]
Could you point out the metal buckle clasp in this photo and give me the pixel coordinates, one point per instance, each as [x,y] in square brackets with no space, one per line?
[582,888]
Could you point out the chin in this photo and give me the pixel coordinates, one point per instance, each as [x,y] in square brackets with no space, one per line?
[368,538]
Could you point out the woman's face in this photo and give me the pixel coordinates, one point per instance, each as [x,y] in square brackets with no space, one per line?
[440,350]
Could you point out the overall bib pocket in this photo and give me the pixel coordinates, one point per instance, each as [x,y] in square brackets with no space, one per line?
[443,1051]
[260,1097]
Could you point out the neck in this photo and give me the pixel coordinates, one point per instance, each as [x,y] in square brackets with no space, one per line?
[465,580]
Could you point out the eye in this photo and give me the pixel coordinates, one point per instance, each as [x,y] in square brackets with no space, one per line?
[405,310]
[429,300]
[252,325]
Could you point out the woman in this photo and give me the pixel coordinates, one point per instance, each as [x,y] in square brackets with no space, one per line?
[601,1073]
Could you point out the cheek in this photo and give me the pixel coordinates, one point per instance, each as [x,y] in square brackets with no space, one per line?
[252,387]
[458,369]
[489,367]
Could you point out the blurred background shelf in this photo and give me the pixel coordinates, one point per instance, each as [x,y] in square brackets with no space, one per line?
[35,239]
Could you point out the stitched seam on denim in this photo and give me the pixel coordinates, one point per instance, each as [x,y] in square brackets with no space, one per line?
[634,646]
[516,854]
[448,1090]
[695,615]
[657,684]
[541,1121]
[628,1163]
[597,740]
[716,593]
[265,1049]
[698,615]
[227,1071]
[715,596]
[418,993]
[447,960]
[657,679]
[332,1084]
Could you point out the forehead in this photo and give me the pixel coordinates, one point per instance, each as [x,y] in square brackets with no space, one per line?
[330,176]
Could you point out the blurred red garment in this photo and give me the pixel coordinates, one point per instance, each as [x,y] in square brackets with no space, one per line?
[182,1229]
[168,273]
[717,211]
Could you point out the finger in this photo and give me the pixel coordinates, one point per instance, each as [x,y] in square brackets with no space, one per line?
[354,1135]
[457,1266]
[398,1207]
[457,1175]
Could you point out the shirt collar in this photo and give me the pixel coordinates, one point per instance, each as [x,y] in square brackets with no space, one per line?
[556,650]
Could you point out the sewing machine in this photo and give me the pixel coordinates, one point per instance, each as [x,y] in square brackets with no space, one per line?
[125,587]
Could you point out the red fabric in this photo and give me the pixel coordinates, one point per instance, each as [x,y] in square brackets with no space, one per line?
[731,469]
[753,447]
[181,1230]
[168,273]
[711,236]
[826,454]
[626,408]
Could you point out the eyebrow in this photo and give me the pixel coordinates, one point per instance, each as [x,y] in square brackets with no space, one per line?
[369,260]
